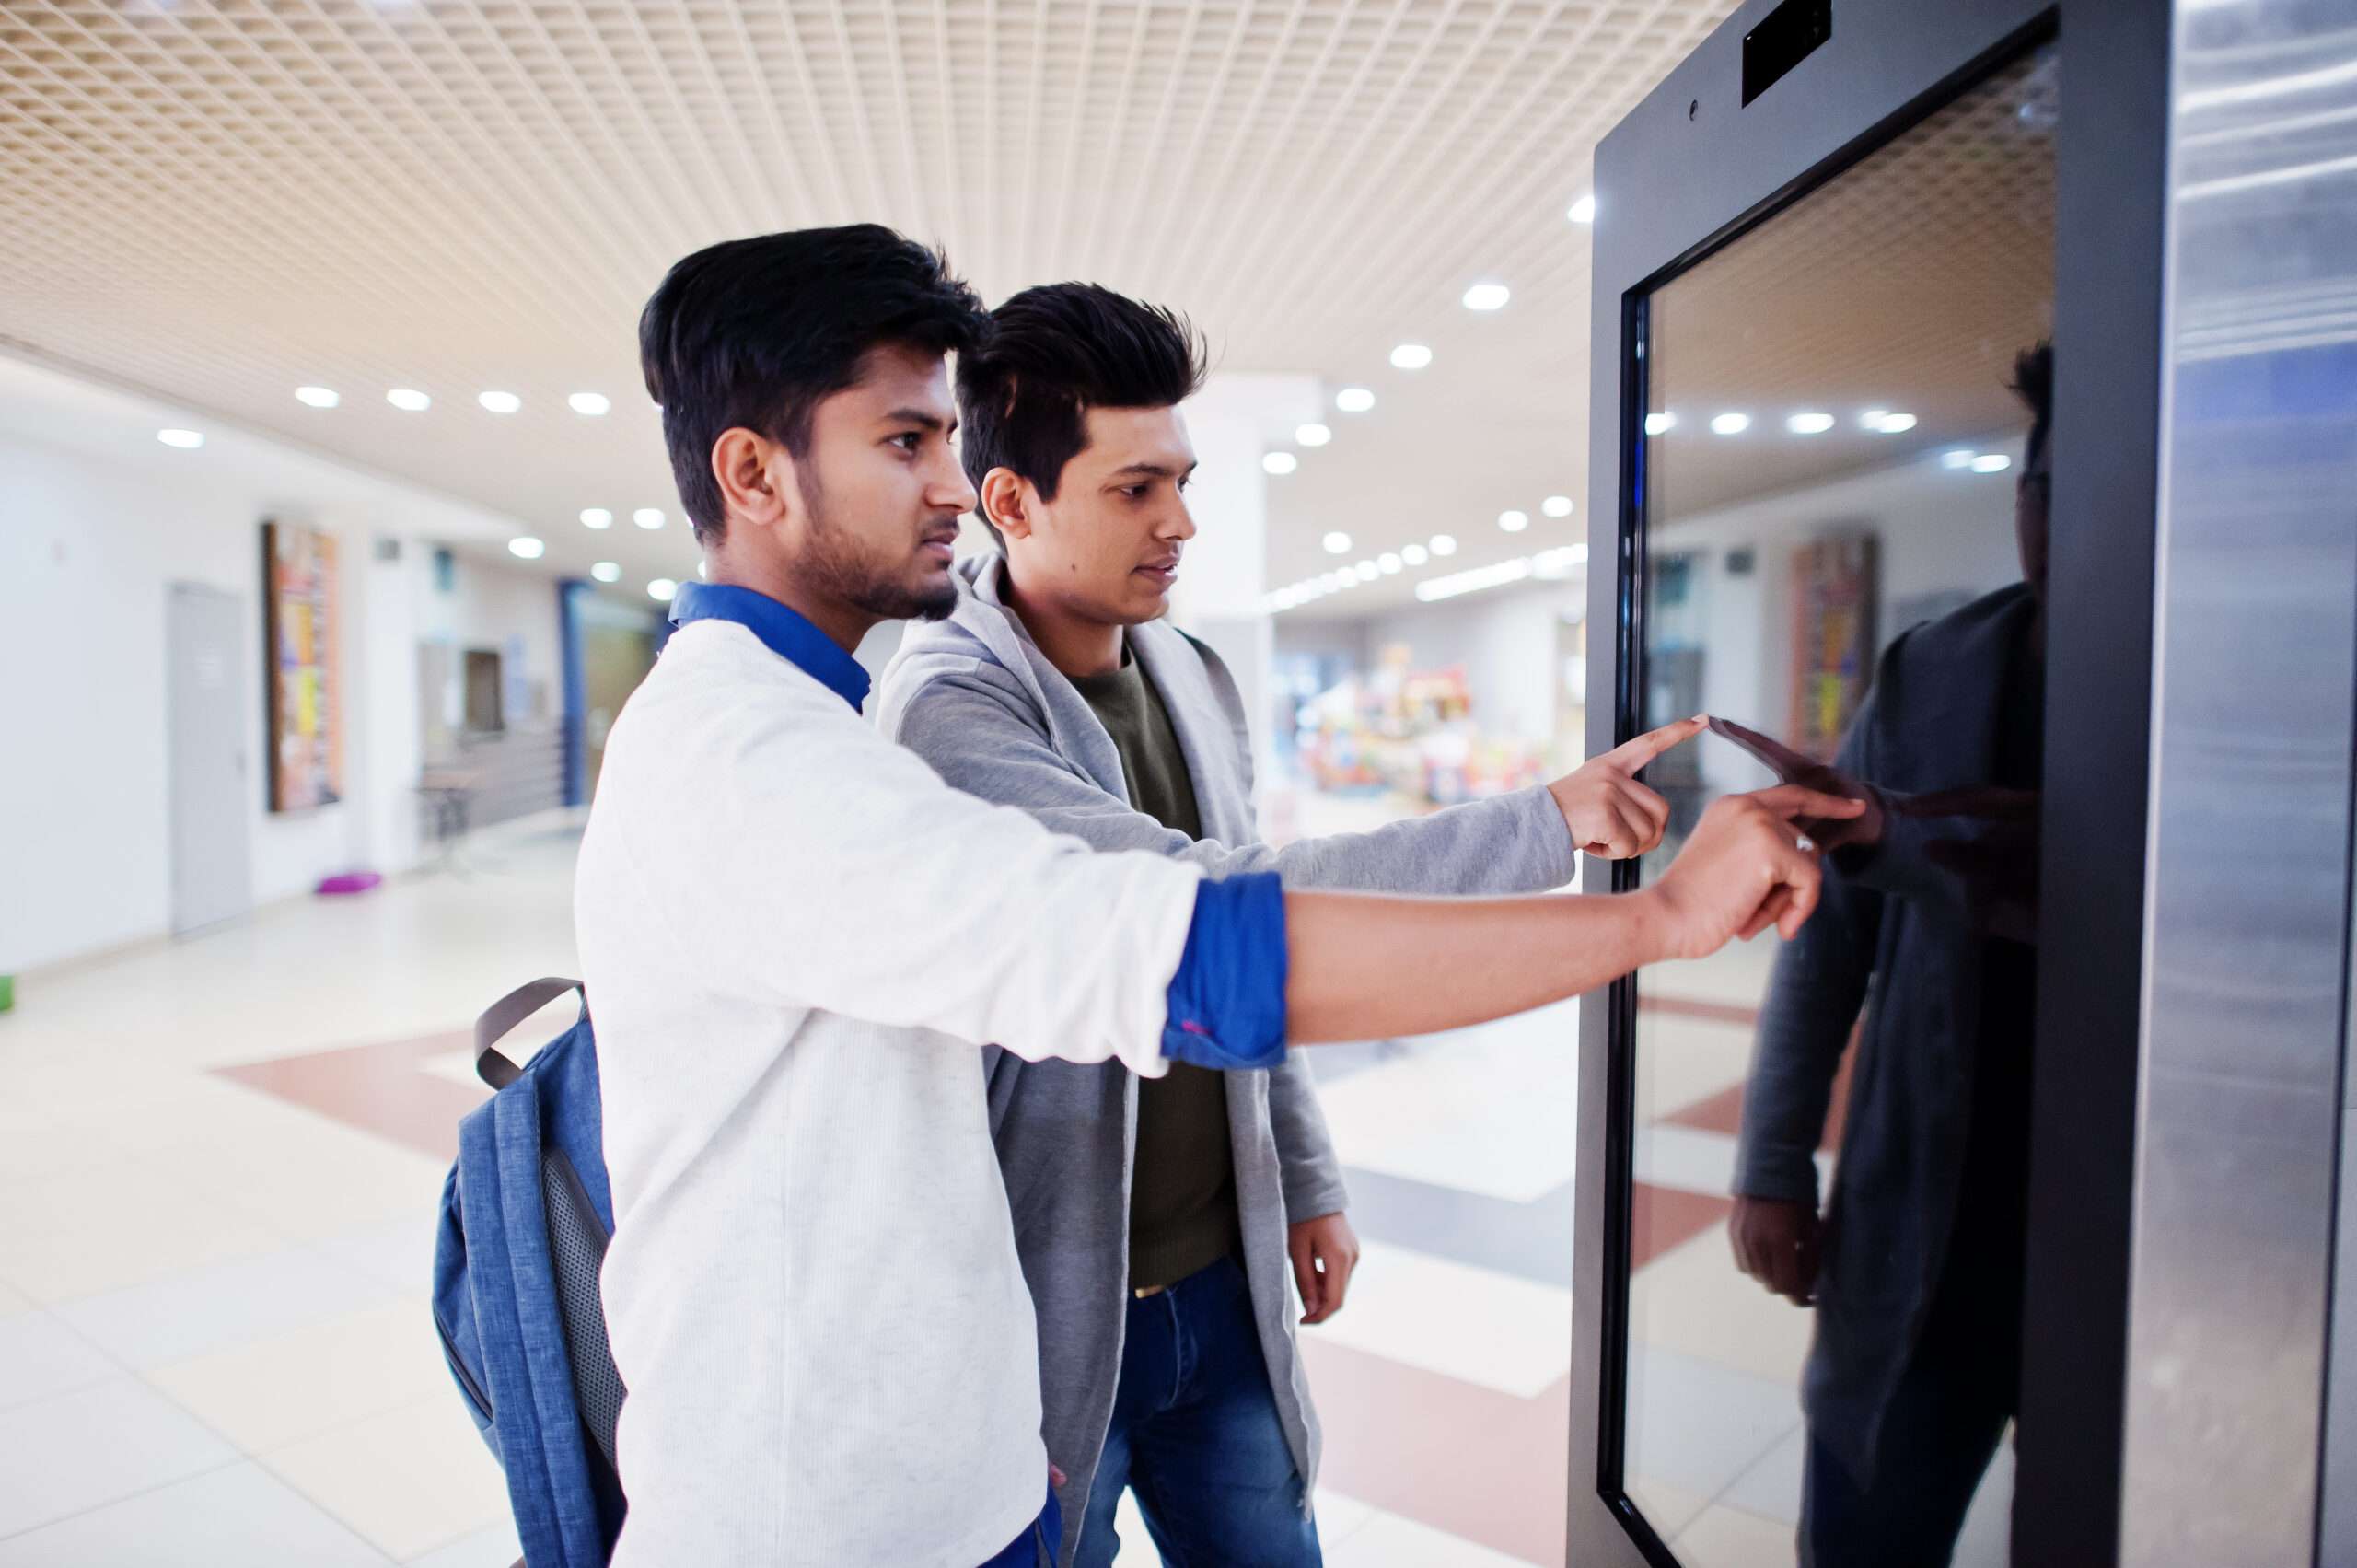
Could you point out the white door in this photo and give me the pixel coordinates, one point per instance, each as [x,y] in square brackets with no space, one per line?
[211,873]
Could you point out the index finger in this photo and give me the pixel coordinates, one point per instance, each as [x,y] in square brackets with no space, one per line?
[1792,802]
[1634,753]
[1778,758]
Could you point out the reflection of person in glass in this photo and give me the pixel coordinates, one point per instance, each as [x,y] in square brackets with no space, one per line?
[1916,1272]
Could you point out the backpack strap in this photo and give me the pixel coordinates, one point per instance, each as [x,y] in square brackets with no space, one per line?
[504,1015]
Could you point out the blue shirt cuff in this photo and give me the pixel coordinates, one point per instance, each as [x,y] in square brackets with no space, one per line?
[1227,1001]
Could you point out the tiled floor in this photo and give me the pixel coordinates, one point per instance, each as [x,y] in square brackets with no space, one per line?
[219,1162]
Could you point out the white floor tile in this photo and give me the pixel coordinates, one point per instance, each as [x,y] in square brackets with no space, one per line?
[1391,1540]
[41,1356]
[1728,1537]
[1682,1060]
[13,1301]
[125,1225]
[1698,1427]
[307,1176]
[1692,1299]
[493,1546]
[270,1392]
[241,1516]
[411,1481]
[1490,1109]
[398,1252]
[1771,1489]
[1667,1508]
[1473,1324]
[1338,1517]
[72,1452]
[226,1305]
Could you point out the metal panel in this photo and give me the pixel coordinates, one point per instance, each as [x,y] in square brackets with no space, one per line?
[1688,169]
[2245,1008]
[1684,172]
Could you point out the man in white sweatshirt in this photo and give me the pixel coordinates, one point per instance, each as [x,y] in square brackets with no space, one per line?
[793,935]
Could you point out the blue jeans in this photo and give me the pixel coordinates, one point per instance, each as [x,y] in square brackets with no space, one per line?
[1195,1432]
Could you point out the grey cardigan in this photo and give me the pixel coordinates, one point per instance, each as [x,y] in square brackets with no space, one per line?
[976,699]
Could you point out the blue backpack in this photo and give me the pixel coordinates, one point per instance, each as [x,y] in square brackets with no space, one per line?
[525,1216]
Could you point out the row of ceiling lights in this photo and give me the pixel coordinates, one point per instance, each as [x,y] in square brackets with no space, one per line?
[525,548]
[1556,562]
[408,399]
[1806,421]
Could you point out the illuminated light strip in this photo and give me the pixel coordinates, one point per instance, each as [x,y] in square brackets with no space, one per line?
[1474,581]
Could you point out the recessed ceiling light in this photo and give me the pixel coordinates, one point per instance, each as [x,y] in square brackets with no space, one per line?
[1992,462]
[1367,571]
[186,440]
[1410,357]
[1556,505]
[408,399]
[1809,423]
[1338,543]
[1279,462]
[662,590]
[317,397]
[1583,210]
[590,404]
[528,548]
[1660,423]
[607,571]
[1514,521]
[1730,424]
[1884,422]
[596,517]
[648,516]
[1415,555]
[1312,435]
[1959,458]
[500,403]
[1387,562]
[1443,544]
[1354,400]
[1487,297]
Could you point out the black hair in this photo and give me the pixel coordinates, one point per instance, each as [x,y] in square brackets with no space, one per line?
[1054,353]
[2034,384]
[757,332]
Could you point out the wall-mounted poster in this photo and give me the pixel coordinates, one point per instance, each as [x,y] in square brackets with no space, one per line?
[306,688]
[1835,584]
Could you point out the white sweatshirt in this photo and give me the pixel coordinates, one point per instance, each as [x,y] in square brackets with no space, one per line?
[793,936]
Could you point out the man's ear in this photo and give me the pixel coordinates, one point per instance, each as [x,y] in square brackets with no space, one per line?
[1004,503]
[755,475]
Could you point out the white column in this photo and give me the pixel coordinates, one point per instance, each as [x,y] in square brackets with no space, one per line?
[1235,419]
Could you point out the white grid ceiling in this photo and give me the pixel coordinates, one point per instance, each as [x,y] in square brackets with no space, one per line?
[221,201]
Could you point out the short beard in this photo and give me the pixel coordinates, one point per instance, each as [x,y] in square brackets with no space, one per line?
[834,561]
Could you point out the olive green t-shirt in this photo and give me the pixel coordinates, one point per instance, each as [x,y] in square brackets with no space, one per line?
[1182,1189]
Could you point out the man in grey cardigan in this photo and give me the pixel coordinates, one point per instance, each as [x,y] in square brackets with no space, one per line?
[1154,1220]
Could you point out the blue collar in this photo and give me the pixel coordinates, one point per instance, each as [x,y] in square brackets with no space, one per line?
[786,633]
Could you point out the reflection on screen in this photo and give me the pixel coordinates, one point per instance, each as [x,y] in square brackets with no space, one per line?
[1844,515]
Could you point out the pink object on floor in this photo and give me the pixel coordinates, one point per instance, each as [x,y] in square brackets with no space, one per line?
[350,882]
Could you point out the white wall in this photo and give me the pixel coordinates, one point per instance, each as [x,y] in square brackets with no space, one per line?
[1938,531]
[97,520]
